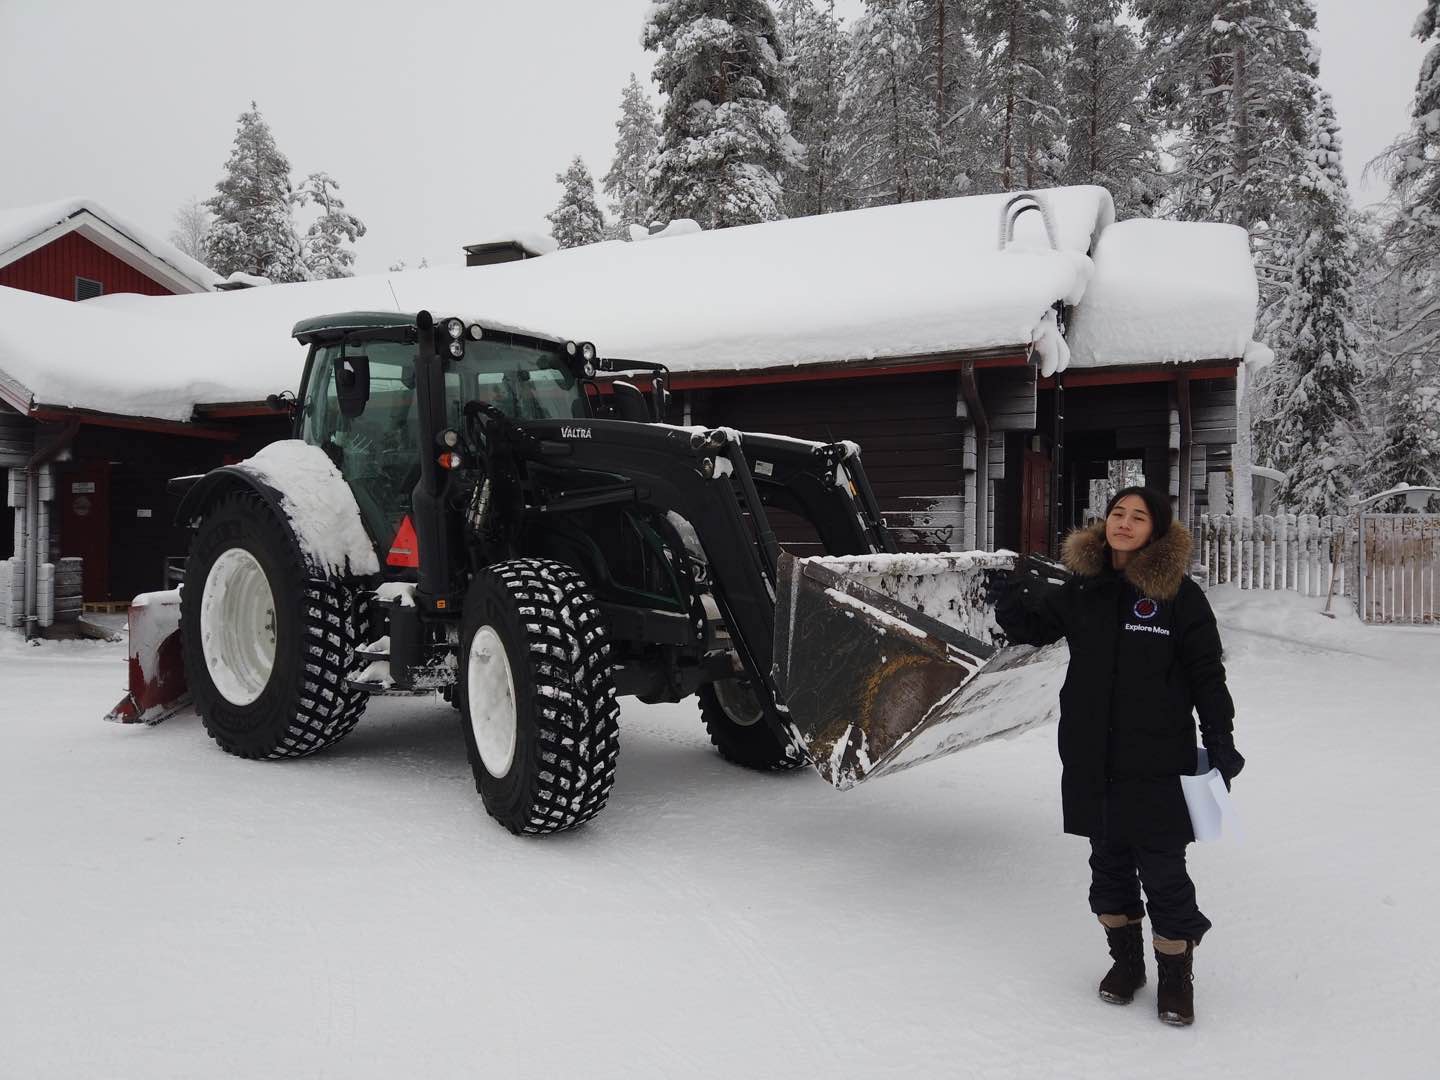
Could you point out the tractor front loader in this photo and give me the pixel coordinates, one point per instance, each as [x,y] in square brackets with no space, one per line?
[508,520]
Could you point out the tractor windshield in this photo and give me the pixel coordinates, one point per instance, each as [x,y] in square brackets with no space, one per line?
[378,451]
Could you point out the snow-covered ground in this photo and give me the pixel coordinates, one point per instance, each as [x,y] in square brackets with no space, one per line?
[168,911]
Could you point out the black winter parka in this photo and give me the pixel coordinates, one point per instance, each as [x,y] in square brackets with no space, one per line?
[1144,657]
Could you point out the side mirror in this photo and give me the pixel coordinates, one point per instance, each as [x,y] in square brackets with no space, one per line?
[352,384]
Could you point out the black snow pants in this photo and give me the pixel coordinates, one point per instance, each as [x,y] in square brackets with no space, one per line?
[1117,872]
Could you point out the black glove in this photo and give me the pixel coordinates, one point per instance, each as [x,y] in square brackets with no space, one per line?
[1223,755]
[999,585]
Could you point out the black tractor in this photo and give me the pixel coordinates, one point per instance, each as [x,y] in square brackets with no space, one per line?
[508,520]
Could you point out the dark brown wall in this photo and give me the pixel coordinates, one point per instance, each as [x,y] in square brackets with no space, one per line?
[139,465]
[912,443]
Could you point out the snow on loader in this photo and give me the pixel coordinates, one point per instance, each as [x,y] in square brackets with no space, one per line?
[464,510]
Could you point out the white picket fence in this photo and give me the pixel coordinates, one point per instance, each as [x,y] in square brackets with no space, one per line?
[1298,552]
[1305,553]
[1400,581]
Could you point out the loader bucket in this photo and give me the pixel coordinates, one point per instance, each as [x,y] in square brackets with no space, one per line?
[157,667]
[885,661]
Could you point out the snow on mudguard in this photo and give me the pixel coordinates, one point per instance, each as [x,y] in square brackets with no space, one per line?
[886,661]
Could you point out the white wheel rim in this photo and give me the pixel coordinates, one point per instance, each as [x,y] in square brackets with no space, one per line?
[237,627]
[490,694]
[739,702]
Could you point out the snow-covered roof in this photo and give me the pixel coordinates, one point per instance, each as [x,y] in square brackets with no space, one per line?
[24,229]
[918,279]
[1166,292]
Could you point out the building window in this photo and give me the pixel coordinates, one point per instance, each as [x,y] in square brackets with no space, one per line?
[85,288]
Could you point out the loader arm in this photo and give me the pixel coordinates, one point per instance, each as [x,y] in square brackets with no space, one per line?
[703,476]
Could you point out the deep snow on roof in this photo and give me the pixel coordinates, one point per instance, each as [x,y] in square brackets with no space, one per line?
[1166,292]
[21,223]
[895,281]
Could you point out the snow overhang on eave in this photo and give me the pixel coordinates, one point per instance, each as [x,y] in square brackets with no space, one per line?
[112,240]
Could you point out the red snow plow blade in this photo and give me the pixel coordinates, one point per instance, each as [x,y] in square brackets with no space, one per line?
[157,667]
[886,661]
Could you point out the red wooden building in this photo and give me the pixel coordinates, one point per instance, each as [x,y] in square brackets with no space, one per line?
[75,249]
[98,480]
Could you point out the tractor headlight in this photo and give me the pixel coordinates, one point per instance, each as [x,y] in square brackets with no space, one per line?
[450,437]
[587,352]
[589,370]
[455,328]
[475,332]
[571,348]
[457,349]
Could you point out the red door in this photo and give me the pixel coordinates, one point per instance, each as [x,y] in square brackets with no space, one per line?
[1035,503]
[84,498]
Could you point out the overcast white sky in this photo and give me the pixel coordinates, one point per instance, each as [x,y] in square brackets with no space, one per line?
[444,122]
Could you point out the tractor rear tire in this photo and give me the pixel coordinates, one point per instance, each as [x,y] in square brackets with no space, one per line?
[738,729]
[267,646]
[537,700]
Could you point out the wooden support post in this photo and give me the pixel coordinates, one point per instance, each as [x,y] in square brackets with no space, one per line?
[1182,400]
[980,425]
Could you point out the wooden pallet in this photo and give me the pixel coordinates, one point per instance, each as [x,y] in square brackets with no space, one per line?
[106,607]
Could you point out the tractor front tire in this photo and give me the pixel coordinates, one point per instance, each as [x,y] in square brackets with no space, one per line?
[537,701]
[738,729]
[267,647]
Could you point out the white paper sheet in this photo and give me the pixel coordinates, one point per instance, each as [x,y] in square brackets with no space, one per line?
[1208,800]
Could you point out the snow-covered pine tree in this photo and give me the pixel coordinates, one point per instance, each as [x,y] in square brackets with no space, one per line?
[948,69]
[576,221]
[254,227]
[1405,383]
[1234,85]
[724,135]
[1407,450]
[1313,429]
[886,112]
[1413,161]
[1111,133]
[192,222]
[815,50]
[324,250]
[1023,45]
[626,184]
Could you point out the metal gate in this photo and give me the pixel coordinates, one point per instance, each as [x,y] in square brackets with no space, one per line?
[1400,562]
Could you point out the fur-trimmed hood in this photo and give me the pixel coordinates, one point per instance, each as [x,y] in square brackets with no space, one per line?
[1156,569]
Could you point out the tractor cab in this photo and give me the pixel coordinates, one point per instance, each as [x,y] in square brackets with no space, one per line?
[360,400]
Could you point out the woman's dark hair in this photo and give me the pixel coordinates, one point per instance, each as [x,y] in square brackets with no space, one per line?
[1157,502]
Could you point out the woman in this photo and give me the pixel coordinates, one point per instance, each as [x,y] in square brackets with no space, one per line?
[1144,654]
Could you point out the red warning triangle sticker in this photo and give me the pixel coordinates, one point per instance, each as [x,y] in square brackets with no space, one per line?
[405,548]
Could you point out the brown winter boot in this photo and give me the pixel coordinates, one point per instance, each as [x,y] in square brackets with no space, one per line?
[1175,989]
[1127,949]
